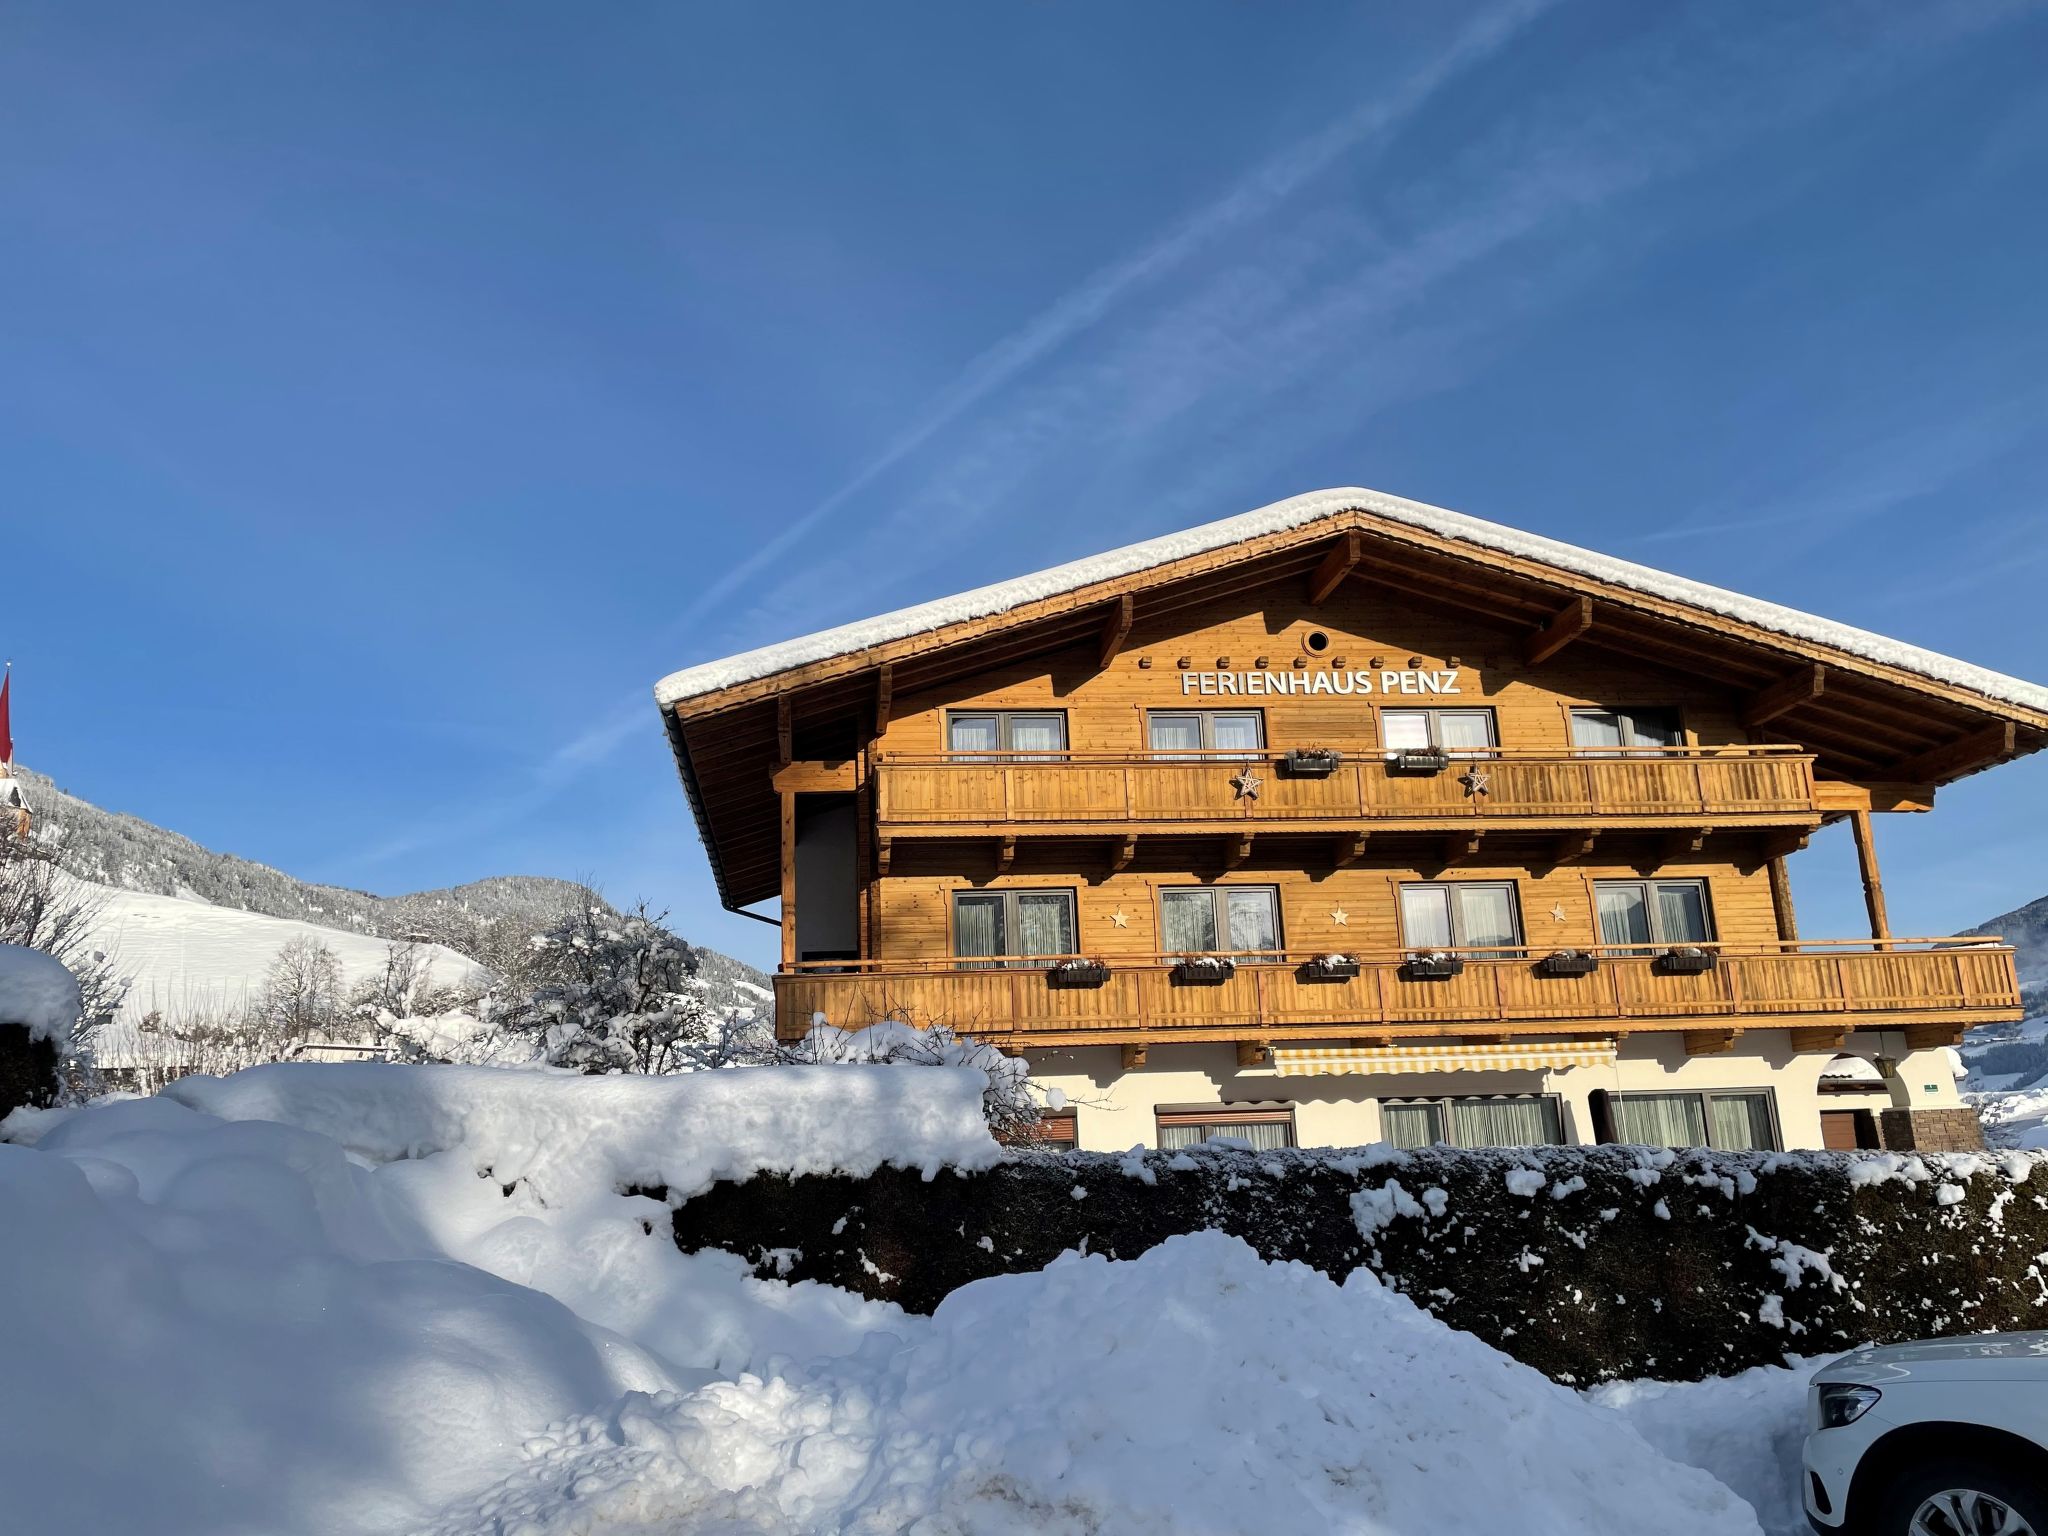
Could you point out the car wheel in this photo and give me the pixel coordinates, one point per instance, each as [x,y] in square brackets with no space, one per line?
[1960,1496]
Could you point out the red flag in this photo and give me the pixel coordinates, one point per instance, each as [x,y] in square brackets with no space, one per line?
[6,725]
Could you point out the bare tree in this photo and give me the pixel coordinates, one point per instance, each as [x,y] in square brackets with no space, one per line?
[43,908]
[302,992]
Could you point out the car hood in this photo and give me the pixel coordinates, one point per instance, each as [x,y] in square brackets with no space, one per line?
[1965,1357]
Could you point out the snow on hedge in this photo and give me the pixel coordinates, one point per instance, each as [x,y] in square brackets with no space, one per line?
[1319,506]
[1195,1388]
[38,991]
[567,1134]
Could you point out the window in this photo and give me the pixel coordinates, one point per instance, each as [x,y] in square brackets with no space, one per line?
[1053,1129]
[1501,1120]
[1460,732]
[1464,915]
[1264,1130]
[1653,911]
[1220,919]
[1013,923]
[1626,727]
[1207,730]
[1020,731]
[1731,1122]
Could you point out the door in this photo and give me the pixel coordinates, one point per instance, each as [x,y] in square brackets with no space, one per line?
[1848,1130]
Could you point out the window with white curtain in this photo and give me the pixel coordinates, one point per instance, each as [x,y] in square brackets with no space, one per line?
[1460,732]
[1034,735]
[1737,1120]
[1017,924]
[1220,919]
[1653,911]
[1470,915]
[1493,1120]
[1264,1130]
[1625,726]
[1206,730]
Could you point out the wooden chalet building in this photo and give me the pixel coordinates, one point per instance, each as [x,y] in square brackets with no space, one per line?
[1352,819]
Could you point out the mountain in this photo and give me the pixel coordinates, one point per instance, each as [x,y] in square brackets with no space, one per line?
[2026,929]
[111,848]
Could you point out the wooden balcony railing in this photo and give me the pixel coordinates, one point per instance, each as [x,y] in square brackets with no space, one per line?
[1759,785]
[1847,983]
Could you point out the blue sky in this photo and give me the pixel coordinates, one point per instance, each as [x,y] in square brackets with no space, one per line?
[390,393]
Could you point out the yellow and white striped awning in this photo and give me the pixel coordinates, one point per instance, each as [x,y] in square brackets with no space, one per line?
[1439,1056]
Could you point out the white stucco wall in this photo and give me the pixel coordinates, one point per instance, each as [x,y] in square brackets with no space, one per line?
[1115,1109]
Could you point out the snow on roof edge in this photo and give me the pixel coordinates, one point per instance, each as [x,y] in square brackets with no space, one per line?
[1298,512]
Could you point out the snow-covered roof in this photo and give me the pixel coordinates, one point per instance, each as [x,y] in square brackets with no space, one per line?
[1852,1069]
[38,991]
[1302,511]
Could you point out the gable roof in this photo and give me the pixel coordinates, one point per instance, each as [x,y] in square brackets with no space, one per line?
[1303,512]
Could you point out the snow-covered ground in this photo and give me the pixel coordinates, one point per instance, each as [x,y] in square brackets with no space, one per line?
[380,1299]
[187,957]
[2006,1078]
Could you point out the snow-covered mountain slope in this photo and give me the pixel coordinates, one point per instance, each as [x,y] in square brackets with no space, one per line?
[126,853]
[185,958]
[2008,1063]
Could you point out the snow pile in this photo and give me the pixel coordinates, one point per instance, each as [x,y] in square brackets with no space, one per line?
[1193,1388]
[1321,506]
[570,1135]
[38,991]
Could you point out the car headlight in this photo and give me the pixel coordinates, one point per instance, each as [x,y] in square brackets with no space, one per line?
[1840,1403]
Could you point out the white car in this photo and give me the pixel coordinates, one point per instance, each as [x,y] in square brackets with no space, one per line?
[1946,1437]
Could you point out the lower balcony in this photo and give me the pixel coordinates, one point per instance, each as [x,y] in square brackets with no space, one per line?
[1935,987]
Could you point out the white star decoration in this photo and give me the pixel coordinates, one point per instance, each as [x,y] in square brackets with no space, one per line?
[1340,917]
[1474,781]
[1119,918]
[1557,912]
[1246,783]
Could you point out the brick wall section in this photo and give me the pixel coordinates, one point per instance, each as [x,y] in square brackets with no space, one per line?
[1931,1130]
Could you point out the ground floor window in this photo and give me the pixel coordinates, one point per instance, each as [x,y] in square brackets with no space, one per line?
[1262,1129]
[1055,1130]
[1733,1121]
[1501,1120]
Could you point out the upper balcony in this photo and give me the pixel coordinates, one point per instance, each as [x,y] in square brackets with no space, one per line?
[959,793]
[1933,988]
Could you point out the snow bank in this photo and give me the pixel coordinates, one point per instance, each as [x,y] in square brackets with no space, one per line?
[1319,506]
[37,990]
[1196,1388]
[567,1135]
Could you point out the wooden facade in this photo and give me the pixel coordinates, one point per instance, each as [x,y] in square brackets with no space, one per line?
[849,787]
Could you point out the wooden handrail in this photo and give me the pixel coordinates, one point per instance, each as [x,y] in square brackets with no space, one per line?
[1027,757]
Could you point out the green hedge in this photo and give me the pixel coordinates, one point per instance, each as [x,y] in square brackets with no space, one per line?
[28,1069]
[1589,1263]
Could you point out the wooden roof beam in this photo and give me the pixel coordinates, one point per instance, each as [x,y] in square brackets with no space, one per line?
[1350,849]
[1709,1042]
[1006,855]
[1458,847]
[1339,563]
[1125,851]
[1924,1037]
[1785,695]
[1994,743]
[1820,1037]
[885,693]
[1134,1054]
[1569,622]
[1115,629]
[1573,846]
[785,754]
[1239,850]
[1253,1053]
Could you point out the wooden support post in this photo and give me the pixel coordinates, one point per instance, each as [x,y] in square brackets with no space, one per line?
[1873,881]
[1115,628]
[1330,572]
[788,879]
[1785,695]
[1709,1042]
[1571,621]
[885,697]
[1134,1054]
[1253,1053]
[1781,898]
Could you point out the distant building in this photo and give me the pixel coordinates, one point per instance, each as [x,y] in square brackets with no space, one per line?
[1352,819]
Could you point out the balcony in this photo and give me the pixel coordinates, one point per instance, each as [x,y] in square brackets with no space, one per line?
[1936,985]
[965,793]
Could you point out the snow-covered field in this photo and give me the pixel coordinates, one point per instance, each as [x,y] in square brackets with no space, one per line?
[187,957]
[376,1299]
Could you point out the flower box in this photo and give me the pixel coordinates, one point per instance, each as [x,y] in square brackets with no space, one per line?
[1078,973]
[1205,970]
[1419,760]
[1569,962]
[1685,960]
[1433,967]
[1311,762]
[1332,967]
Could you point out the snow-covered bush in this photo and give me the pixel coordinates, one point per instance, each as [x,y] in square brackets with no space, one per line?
[43,909]
[1010,1105]
[608,993]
